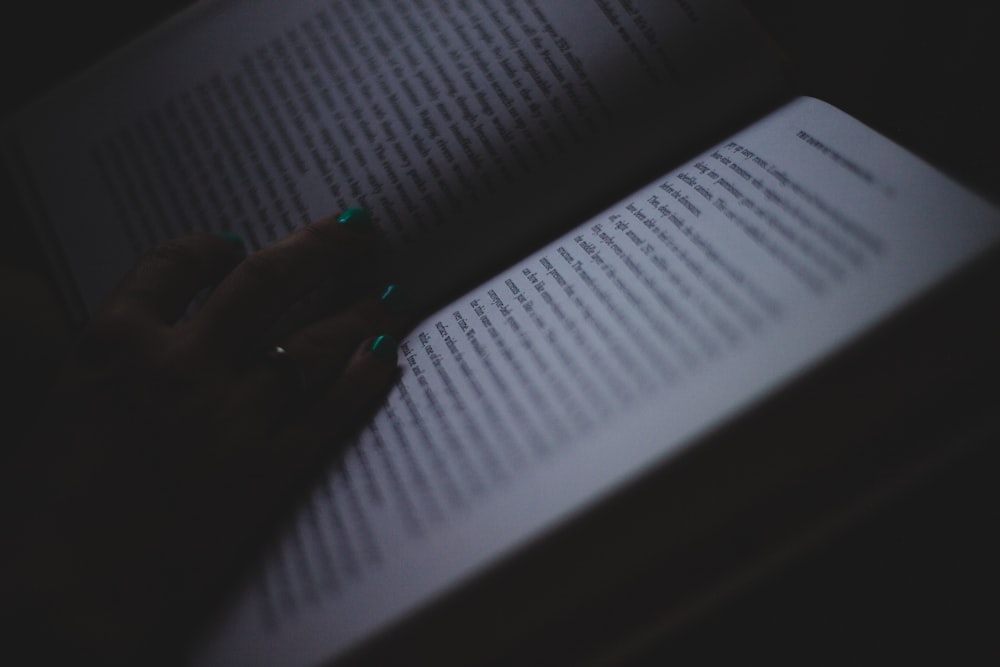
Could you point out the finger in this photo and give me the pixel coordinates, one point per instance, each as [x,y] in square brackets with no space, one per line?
[322,350]
[270,282]
[324,300]
[359,391]
[164,281]
[308,439]
[308,362]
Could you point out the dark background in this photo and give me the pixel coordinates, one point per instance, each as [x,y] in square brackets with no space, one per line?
[912,574]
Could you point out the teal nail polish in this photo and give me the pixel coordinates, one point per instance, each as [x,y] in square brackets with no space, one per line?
[385,348]
[395,299]
[357,219]
[234,239]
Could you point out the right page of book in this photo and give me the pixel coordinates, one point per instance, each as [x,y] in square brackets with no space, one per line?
[603,354]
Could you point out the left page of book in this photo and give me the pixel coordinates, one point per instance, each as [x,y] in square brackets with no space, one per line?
[469,128]
[600,357]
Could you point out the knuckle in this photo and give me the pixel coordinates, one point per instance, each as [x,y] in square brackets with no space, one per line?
[263,269]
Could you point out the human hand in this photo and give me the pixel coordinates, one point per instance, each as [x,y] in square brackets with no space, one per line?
[171,444]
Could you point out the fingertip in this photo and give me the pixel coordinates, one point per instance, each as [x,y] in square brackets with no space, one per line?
[234,240]
[357,219]
[395,299]
[385,348]
[367,379]
[373,368]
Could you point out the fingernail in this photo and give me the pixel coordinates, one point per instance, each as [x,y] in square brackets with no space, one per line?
[395,299]
[385,348]
[234,239]
[357,219]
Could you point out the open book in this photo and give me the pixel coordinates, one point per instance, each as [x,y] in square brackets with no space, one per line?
[629,230]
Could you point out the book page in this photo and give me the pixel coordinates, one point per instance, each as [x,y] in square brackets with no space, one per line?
[468,128]
[600,356]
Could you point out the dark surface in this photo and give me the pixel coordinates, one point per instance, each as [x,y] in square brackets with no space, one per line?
[913,573]
[922,73]
[914,576]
